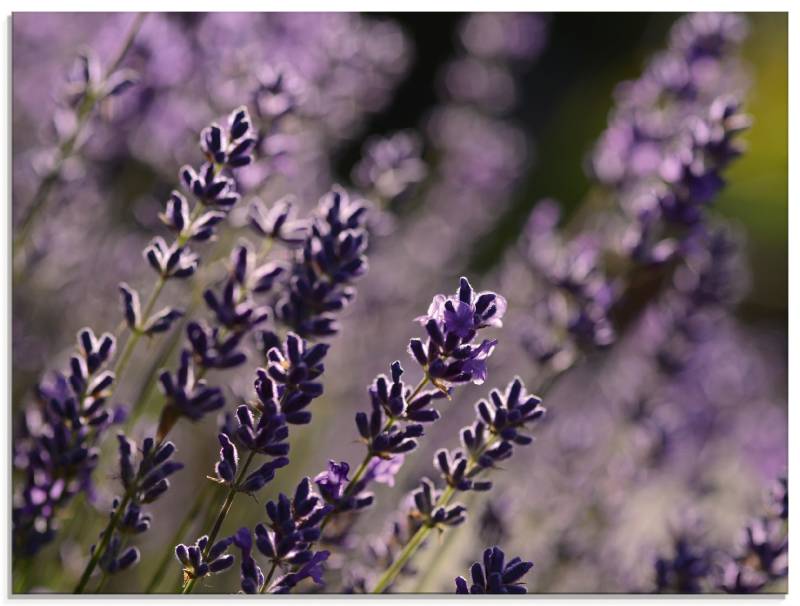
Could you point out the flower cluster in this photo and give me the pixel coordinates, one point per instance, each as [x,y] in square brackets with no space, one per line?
[450,355]
[287,541]
[674,131]
[57,450]
[88,87]
[573,305]
[143,484]
[235,312]
[214,193]
[392,404]
[227,467]
[491,437]
[278,223]
[187,395]
[708,279]
[284,391]
[323,269]
[196,565]
[687,569]
[641,265]
[430,513]
[763,553]
[279,93]
[294,368]
[496,575]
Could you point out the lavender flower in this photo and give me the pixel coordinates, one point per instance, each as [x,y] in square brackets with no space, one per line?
[196,566]
[291,376]
[87,87]
[763,552]
[490,438]
[227,468]
[330,260]
[496,575]
[450,356]
[574,307]
[186,395]
[266,436]
[226,150]
[430,513]
[58,448]
[673,133]
[288,538]
[234,308]
[142,484]
[159,322]
[686,570]
[392,405]
[284,390]
[331,483]
[312,569]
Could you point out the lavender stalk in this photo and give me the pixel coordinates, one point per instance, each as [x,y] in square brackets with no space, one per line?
[94,88]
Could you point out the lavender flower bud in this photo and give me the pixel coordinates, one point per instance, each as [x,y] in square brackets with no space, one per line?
[496,576]
[195,566]
[130,306]
[278,223]
[186,396]
[251,576]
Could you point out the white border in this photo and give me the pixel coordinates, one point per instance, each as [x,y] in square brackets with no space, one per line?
[423,6]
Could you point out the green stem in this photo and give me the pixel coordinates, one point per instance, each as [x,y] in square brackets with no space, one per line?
[359,473]
[136,25]
[98,552]
[223,513]
[411,547]
[388,577]
[268,578]
[169,554]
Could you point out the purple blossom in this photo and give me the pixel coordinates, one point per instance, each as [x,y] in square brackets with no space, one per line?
[452,323]
[331,483]
[384,471]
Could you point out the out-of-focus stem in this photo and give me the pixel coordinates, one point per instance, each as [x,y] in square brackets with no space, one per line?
[67,147]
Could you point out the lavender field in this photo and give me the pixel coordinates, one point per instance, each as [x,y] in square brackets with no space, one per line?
[399,303]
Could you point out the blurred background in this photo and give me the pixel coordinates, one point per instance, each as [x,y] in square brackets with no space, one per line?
[580,503]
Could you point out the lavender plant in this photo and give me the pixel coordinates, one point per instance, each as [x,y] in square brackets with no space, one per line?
[284,389]
[488,441]
[57,446]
